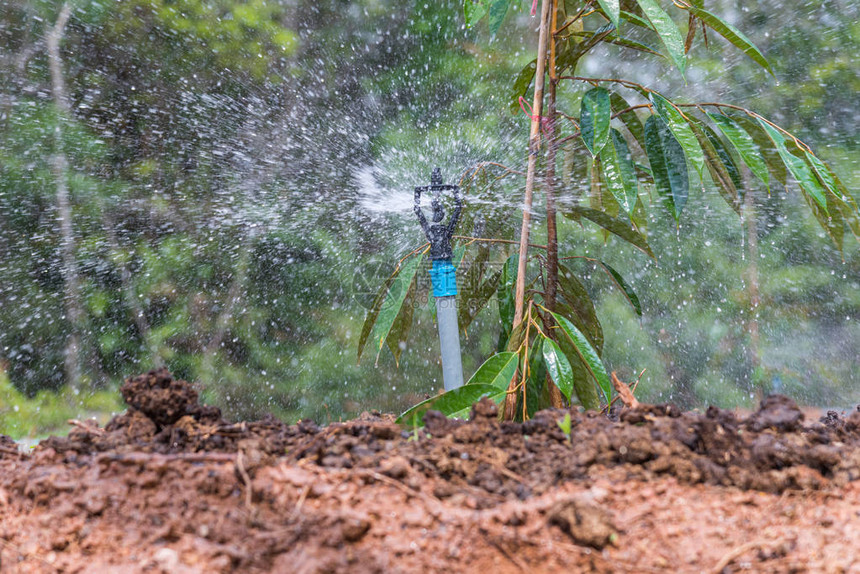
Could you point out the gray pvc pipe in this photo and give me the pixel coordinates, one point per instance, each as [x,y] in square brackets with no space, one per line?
[449,341]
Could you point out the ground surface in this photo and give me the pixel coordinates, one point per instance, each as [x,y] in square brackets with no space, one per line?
[170,487]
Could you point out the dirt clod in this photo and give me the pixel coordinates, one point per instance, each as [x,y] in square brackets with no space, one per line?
[585,522]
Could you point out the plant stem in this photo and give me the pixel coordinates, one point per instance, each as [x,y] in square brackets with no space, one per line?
[551,231]
[534,148]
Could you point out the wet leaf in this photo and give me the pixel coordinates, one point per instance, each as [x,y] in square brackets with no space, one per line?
[797,166]
[666,30]
[588,355]
[668,164]
[744,144]
[594,116]
[498,9]
[558,367]
[681,130]
[766,148]
[618,171]
[474,10]
[580,307]
[718,170]
[617,226]
[521,85]
[625,287]
[394,298]
[731,34]
[629,118]
[490,380]
[612,10]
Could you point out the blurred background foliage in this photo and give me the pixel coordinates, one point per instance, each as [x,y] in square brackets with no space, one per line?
[239,176]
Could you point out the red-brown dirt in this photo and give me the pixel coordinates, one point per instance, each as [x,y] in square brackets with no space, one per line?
[170,487]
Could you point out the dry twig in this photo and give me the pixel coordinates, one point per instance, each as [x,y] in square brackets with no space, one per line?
[624,392]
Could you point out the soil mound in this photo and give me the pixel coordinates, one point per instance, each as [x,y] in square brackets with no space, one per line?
[169,486]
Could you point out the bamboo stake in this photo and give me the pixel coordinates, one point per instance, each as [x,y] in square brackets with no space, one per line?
[534,148]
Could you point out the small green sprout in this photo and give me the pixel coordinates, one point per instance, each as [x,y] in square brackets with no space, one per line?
[564,425]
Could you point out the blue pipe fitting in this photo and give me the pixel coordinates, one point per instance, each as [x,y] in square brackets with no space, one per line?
[443,276]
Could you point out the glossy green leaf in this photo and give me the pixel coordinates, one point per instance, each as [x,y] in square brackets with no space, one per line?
[666,30]
[449,403]
[767,150]
[375,308]
[474,10]
[625,287]
[718,170]
[575,170]
[558,367]
[636,20]
[668,164]
[725,155]
[850,211]
[681,130]
[587,353]
[618,171]
[594,116]
[797,166]
[620,41]
[617,226]
[744,144]
[396,339]
[579,307]
[731,34]
[612,10]
[537,393]
[628,117]
[496,371]
[498,9]
[490,380]
[584,386]
[521,85]
[394,299]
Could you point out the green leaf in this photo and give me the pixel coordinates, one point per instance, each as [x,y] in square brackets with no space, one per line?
[537,394]
[449,403]
[666,30]
[637,20]
[744,144]
[848,206]
[490,380]
[797,166]
[731,34]
[505,295]
[498,10]
[629,118]
[575,171]
[619,227]
[619,41]
[724,154]
[580,307]
[625,287]
[558,367]
[521,85]
[396,339]
[719,172]
[496,371]
[595,113]
[680,129]
[474,10]
[394,299]
[588,355]
[618,171]
[668,165]
[473,301]
[612,9]
[373,312]
[766,148]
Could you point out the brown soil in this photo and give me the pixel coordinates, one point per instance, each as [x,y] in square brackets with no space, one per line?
[171,487]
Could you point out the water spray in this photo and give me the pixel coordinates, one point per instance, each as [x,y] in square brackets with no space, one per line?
[443,274]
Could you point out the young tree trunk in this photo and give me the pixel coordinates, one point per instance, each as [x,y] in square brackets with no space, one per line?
[60,166]
[508,412]
[556,397]
[534,149]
